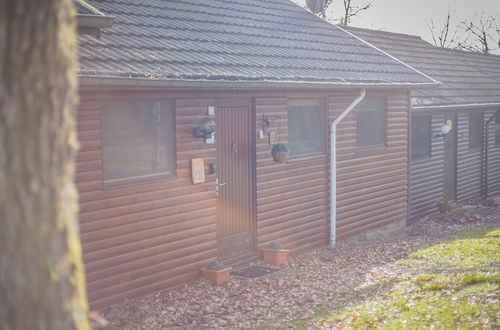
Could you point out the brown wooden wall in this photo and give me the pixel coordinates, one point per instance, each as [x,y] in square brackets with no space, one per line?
[469,164]
[142,238]
[493,158]
[426,176]
[372,182]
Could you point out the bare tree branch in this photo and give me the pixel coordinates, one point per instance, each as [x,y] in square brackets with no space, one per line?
[481,34]
[446,36]
[351,11]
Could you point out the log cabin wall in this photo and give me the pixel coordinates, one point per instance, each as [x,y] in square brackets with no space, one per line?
[146,237]
[493,158]
[426,176]
[372,182]
[469,163]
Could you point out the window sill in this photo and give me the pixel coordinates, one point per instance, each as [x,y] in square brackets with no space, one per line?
[133,183]
[420,161]
[303,158]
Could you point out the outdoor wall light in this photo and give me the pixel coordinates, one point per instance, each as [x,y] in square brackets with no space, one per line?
[205,129]
[443,130]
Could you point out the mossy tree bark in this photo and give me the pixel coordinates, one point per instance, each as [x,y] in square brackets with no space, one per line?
[41,272]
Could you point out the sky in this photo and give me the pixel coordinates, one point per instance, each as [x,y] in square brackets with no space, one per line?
[410,16]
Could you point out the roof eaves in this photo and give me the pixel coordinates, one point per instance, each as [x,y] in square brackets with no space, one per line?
[144,82]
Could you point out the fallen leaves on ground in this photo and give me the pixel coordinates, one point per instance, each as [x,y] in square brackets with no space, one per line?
[323,277]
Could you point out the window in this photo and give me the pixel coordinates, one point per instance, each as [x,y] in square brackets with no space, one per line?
[138,140]
[306,127]
[476,127]
[370,119]
[421,137]
[497,127]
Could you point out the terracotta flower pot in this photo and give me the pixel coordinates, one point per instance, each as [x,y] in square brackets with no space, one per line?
[274,257]
[446,207]
[216,276]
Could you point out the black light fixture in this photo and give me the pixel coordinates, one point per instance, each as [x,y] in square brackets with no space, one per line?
[205,129]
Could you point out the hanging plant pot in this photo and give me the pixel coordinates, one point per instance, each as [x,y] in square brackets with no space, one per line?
[280,153]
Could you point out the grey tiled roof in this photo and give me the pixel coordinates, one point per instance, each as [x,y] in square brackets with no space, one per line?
[231,40]
[488,64]
[462,84]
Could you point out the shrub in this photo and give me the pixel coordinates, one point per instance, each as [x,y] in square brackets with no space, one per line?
[216,265]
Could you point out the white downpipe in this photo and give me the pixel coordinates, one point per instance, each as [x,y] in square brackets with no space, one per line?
[333,166]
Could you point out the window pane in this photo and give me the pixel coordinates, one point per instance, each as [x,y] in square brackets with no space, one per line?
[137,139]
[370,119]
[306,127]
[421,135]
[497,128]
[476,130]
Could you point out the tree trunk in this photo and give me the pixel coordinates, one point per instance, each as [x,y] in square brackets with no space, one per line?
[41,271]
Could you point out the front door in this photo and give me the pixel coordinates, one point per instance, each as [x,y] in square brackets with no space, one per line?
[235,136]
[450,159]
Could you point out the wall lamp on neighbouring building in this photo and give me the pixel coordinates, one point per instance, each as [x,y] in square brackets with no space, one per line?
[205,129]
[443,130]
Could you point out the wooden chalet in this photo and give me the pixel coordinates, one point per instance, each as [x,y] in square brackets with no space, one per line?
[464,163]
[161,197]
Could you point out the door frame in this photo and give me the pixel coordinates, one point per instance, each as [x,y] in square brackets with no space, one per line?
[239,101]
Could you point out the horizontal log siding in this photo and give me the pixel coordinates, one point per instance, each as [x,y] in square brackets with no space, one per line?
[469,164]
[426,176]
[493,159]
[292,198]
[142,238]
[372,183]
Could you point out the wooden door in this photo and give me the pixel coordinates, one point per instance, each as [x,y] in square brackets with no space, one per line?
[235,142]
[450,159]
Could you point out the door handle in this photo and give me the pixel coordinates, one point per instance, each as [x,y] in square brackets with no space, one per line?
[217,186]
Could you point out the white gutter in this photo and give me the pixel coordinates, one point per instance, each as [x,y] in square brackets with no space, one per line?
[333,166]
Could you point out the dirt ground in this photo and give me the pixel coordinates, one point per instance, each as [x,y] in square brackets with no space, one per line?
[316,278]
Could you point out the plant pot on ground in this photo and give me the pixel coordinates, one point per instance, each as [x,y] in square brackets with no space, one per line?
[445,206]
[216,272]
[280,153]
[275,254]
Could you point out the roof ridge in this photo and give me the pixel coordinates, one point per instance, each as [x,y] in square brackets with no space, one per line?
[384,32]
[208,4]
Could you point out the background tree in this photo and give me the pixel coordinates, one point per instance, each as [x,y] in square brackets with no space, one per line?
[446,36]
[481,34]
[41,272]
[351,11]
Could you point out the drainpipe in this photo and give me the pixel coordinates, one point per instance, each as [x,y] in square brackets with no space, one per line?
[333,166]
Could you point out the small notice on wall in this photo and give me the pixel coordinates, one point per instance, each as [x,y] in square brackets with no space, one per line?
[197,170]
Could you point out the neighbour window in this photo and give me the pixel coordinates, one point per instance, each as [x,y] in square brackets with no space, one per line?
[370,119]
[306,127]
[421,137]
[476,127]
[497,128]
[138,140]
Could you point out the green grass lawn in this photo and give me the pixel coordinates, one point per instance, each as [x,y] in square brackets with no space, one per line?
[456,285]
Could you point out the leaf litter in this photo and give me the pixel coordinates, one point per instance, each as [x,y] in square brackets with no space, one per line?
[306,283]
